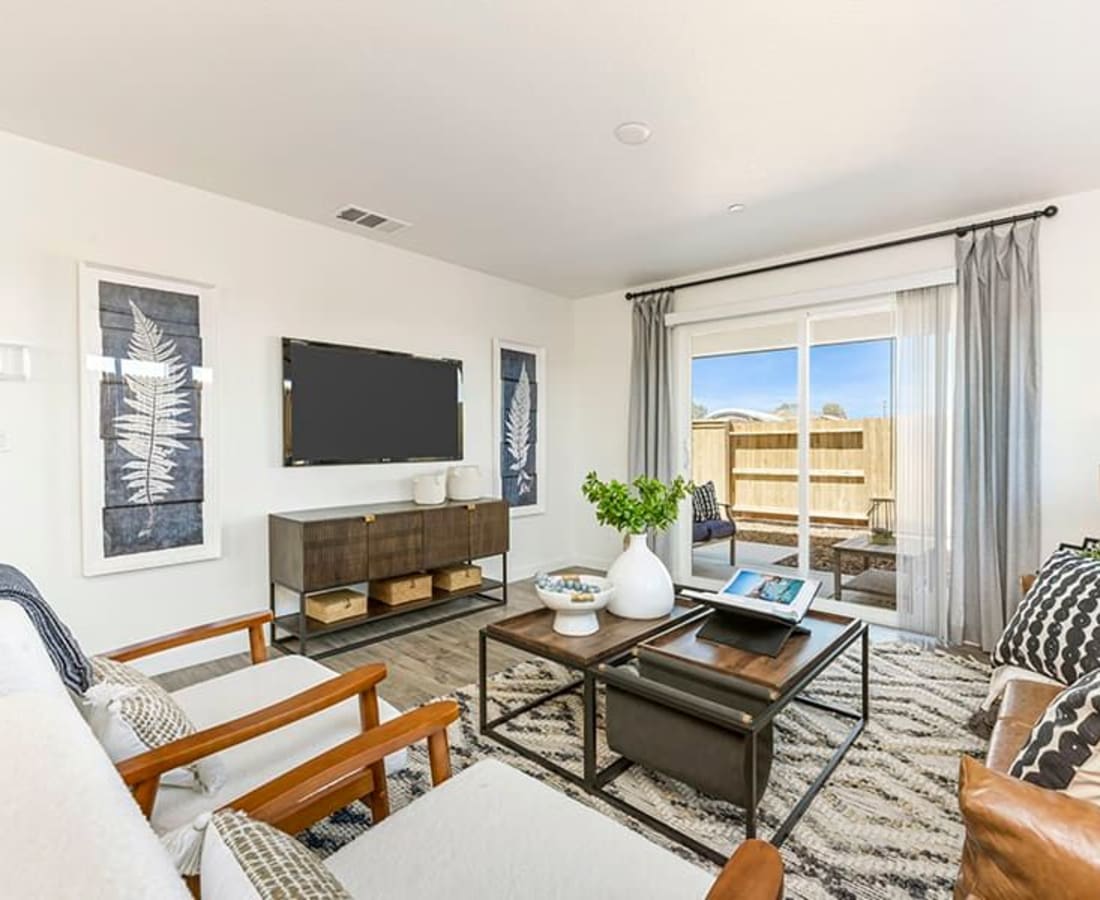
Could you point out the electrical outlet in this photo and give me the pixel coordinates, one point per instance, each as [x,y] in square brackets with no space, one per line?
[4,447]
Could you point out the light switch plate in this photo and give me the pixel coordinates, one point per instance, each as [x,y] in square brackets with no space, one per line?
[15,362]
[4,448]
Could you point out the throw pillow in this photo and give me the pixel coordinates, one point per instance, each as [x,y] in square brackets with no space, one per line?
[1055,630]
[243,858]
[130,714]
[704,503]
[1063,750]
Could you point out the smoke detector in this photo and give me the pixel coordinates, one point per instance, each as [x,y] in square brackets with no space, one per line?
[362,217]
[632,133]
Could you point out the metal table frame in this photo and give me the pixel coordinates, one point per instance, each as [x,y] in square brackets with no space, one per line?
[609,671]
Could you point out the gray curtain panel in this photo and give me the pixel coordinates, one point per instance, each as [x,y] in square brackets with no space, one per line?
[650,435]
[995,507]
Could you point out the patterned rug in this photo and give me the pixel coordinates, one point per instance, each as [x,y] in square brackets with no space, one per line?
[885,825]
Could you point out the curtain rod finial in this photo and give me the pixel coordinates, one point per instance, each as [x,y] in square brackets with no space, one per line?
[1051,210]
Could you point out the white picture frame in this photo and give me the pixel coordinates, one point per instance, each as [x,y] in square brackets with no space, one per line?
[504,393]
[140,362]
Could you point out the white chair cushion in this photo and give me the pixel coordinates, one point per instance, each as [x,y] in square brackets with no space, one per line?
[255,762]
[71,827]
[492,831]
[24,663]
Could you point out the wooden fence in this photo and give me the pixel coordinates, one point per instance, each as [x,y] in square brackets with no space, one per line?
[754,466]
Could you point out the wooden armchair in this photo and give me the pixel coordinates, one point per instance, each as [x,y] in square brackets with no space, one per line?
[314,790]
[142,773]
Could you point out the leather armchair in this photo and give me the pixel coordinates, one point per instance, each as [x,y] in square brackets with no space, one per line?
[1023,842]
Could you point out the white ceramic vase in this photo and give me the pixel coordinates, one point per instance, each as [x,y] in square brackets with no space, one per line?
[429,490]
[464,483]
[643,587]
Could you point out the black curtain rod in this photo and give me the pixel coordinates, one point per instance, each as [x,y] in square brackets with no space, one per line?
[958,230]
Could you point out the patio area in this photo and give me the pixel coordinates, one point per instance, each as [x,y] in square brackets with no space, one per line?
[755,465]
[774,546]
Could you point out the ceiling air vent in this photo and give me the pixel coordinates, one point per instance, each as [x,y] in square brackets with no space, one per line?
[372,221]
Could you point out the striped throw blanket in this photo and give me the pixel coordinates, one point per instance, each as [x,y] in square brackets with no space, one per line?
[69,660]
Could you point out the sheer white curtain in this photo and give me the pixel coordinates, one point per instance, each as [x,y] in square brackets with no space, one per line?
[925,392]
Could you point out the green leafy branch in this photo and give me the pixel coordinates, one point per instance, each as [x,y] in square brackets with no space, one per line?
[644,504]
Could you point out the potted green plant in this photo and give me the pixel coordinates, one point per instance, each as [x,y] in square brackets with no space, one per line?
[643,586]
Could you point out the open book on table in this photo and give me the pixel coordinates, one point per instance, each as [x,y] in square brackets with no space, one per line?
[754,593]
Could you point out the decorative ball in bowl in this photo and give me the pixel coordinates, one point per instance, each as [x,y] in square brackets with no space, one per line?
[575,600]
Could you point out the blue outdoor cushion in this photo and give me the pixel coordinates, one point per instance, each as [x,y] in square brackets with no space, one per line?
[721,528]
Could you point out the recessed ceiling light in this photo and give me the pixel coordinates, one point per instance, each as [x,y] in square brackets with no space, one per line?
[735,207]
[633,133]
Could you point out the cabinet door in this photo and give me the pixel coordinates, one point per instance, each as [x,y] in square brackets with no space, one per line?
[489,529]
[446,536]
[396,546]
[334,553]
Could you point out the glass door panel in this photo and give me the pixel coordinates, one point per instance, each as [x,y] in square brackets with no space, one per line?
[745,387]
[851,458]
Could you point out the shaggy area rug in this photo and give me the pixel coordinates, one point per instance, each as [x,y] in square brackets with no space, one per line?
[886,824]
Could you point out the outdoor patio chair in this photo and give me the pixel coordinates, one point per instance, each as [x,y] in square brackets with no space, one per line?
[713,520]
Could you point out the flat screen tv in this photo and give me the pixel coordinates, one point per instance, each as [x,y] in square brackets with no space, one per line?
[345,405]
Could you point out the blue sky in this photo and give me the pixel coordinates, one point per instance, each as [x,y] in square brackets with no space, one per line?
[855,375]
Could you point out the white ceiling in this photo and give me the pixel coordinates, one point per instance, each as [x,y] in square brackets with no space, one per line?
[487,123]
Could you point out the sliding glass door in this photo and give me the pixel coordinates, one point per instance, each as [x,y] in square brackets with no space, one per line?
[745,446]
[790,417]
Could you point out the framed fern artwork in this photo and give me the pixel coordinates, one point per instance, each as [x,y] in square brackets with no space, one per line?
[147,421]
[519,379]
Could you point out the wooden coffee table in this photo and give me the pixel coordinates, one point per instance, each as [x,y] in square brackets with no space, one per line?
[534,632]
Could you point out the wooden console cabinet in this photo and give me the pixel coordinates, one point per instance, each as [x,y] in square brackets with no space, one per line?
[316,550]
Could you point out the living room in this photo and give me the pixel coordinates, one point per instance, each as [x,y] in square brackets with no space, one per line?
[507,236]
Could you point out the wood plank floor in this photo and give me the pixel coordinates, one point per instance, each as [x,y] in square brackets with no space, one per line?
[438,659]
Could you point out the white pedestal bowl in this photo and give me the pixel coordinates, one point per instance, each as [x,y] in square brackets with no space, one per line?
[575,610]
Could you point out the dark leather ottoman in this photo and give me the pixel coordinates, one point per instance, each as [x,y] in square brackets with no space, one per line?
[679,742]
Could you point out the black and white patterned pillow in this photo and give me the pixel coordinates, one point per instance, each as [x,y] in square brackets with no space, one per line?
[1063,750]
[704,503]
[1055,631]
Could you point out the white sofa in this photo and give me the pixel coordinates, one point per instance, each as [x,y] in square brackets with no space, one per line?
[71,827]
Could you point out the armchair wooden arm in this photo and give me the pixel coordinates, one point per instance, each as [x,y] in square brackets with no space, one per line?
[252,622]
[142,773]
[754,872]
[328,782]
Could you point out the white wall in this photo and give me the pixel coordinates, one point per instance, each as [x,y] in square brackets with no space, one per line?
[276,276]
[1070,425]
